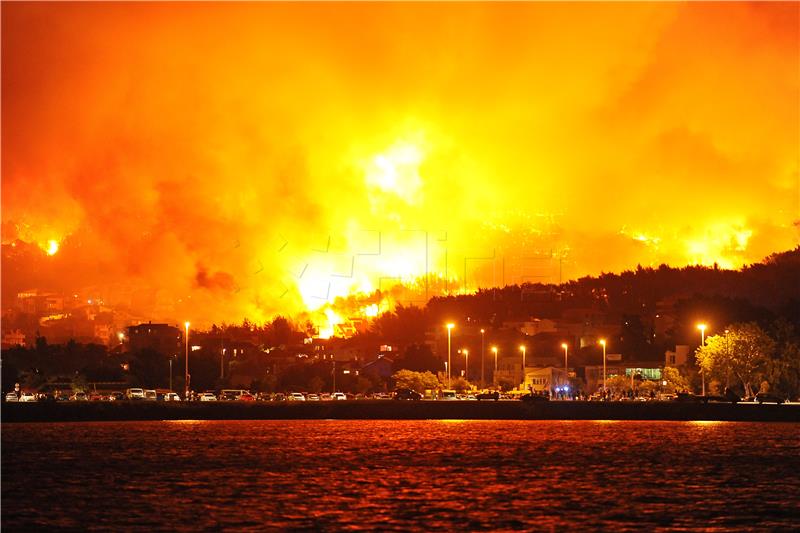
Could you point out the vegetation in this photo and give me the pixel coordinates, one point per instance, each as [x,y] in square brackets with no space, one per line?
[418,381]
[749,355]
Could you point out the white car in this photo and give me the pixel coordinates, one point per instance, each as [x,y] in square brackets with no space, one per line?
[339,396]
[312,397]
[12,397]
[208,397]
[134,394]
[27,397]
[296,397]
[171,397]
[150,395]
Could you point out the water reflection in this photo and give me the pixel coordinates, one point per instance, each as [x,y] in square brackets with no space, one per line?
[400,475]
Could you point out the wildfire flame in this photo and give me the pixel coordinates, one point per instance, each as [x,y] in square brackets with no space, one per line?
[52,247]
[334,161]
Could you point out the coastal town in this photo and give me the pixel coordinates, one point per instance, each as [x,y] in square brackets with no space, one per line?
[613,337]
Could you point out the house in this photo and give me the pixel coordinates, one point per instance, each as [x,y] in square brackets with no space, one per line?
[646,370]
[13,338]
[162,338]
[677,358]
[544,379]
[379,368]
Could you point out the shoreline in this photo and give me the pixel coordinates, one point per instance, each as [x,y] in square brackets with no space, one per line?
[395,410]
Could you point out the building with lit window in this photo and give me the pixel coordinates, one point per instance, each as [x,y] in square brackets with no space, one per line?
[163,338]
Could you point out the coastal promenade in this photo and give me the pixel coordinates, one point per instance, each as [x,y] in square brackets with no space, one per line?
[395,410]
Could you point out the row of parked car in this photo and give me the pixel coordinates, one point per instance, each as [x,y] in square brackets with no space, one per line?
[141,394]
[93,396]
[730,396]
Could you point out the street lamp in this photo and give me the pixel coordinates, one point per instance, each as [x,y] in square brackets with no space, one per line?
[186,374]
[728,361]
[702,328]
[450,327]
[522,348]
[483,356]
[466,363]
[566,371]
[603,344]
[170,373]
[494,376]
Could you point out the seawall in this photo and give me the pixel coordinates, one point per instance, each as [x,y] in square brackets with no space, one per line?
[394,410]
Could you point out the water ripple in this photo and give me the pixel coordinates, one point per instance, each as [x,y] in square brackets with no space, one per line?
[401,475]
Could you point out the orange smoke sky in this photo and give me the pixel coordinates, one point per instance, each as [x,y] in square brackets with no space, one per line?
[254,158]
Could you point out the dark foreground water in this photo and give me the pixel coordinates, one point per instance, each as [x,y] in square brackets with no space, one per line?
[400,475]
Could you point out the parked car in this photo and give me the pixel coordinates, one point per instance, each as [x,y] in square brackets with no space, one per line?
[688,397]
[12,397]
[448,395]
[116,396]
[208,397]
[312,397]
[150,395]
[246,397]
[134,394]
[171,397]
[325,397]
[535,397]
[279,397]
[761,397]
[79,397]
[230,395]
[46,397]
[62,396]
[27,397]
[407,394]
[297,397]
[96,397]
[339,396]
[729,396]
[490,395]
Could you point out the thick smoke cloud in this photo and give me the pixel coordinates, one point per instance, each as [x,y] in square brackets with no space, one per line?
[247,159]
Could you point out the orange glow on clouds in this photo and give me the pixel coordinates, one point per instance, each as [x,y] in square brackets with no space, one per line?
[246,159]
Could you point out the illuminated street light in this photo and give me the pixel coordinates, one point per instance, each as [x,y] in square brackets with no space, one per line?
[466,363]
[450,327]
[522,348]
[186,374]
[603,344]
[702,328]
[483,356]
[566,371]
